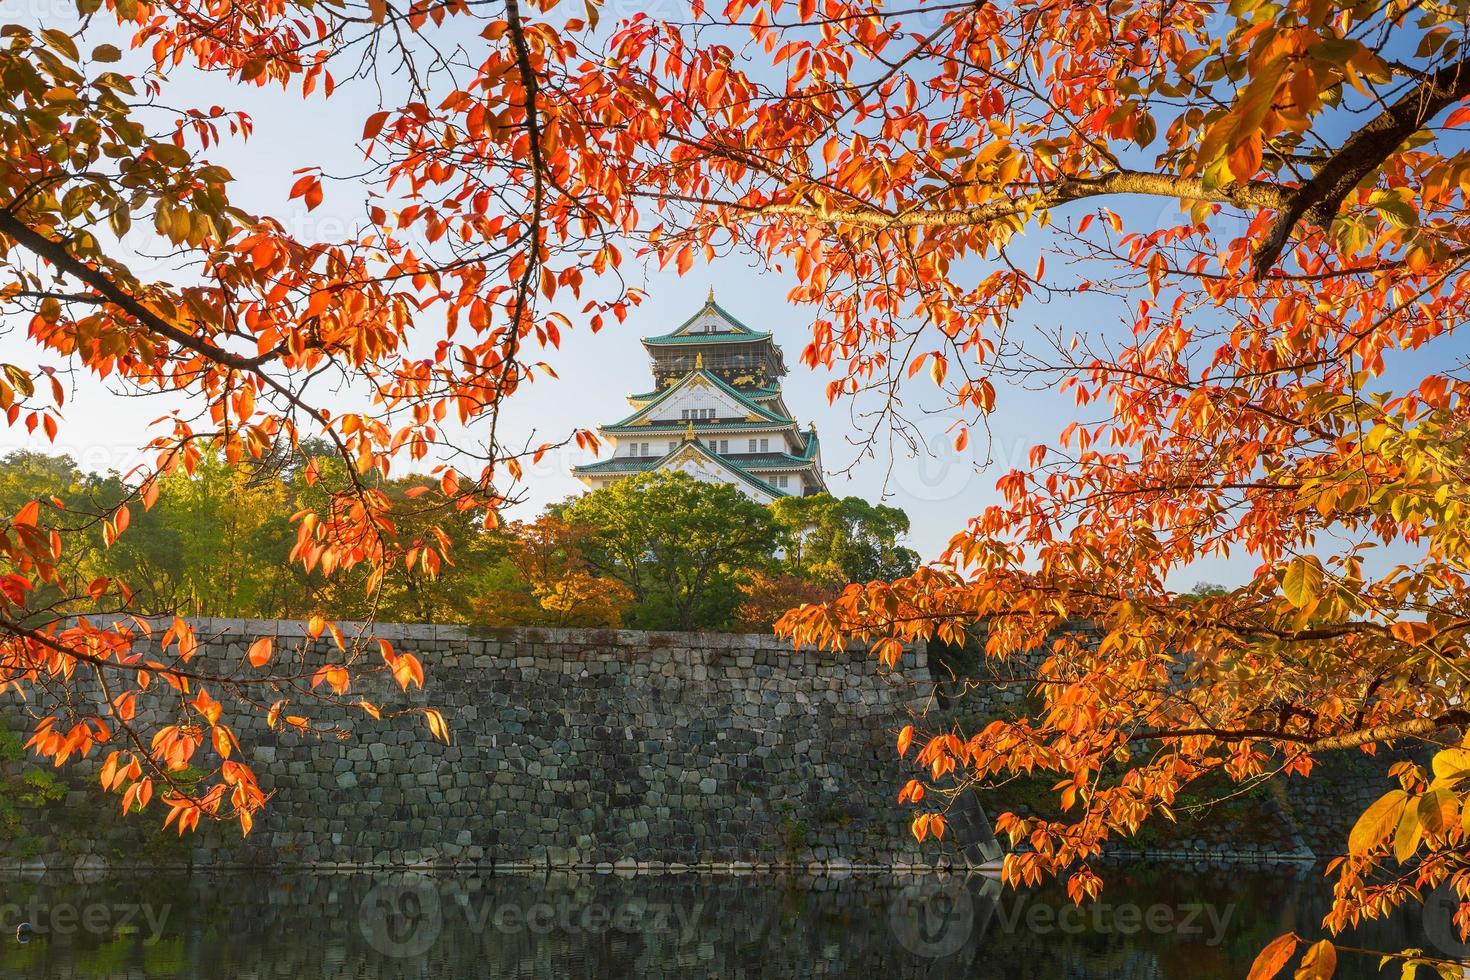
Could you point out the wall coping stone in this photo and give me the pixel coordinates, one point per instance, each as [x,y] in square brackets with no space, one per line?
[568,635]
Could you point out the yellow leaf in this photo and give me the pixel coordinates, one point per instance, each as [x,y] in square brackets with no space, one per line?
[437,726]
[1376,822]
[1319,963]
[1302,583]
[1406,837]
[1439,810]
[1271,959]
[1451,763]
[938,367]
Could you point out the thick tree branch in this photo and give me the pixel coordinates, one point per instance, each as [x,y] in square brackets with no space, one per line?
[1412,728]
[58,256]
[1255,194]
[1319,199]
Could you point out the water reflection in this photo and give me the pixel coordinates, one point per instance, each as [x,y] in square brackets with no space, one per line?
[1150,923]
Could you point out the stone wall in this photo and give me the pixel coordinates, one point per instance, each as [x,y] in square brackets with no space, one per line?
[1342,785]
[599,747]
[569,747]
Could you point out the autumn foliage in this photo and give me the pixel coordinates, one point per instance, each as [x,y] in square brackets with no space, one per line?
[559,586]
[1261,210]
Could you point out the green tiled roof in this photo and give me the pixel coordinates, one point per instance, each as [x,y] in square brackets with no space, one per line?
[680,425]
[768,391]
[668,340]
[740,331]
[643,464]
[621,464]
[735,393]
[782,461]
[771,461]
[779,460]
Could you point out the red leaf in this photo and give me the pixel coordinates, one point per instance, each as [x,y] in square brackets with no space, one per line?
[374,124]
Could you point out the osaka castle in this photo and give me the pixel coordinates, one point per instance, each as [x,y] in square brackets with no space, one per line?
[715,412]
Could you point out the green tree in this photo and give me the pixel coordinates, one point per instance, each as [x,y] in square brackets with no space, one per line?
[837,540]
[416,586]
[63,492]
[679,544]
[213,541]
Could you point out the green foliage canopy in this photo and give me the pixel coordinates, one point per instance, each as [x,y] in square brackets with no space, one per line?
[677,543]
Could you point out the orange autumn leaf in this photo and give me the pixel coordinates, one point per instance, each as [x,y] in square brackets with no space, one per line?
[260,651]
[1289,265]
[437,726]
[1273,957]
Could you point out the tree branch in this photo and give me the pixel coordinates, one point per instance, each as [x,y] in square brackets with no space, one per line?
[1255,194]
[1320,199]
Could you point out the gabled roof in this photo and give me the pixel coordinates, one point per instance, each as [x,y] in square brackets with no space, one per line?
[761,394]
[736,331]
[644,464]
[740,397]
[725,464]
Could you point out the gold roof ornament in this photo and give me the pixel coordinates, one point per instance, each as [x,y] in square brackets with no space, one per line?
[711,298]
[689,432]
[699,360]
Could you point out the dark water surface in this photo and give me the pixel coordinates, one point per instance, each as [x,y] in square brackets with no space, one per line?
[1151,922]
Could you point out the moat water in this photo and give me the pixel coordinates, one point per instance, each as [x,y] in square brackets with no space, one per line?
[1151,922]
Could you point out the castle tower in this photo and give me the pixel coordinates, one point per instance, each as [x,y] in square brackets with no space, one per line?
[715,413]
